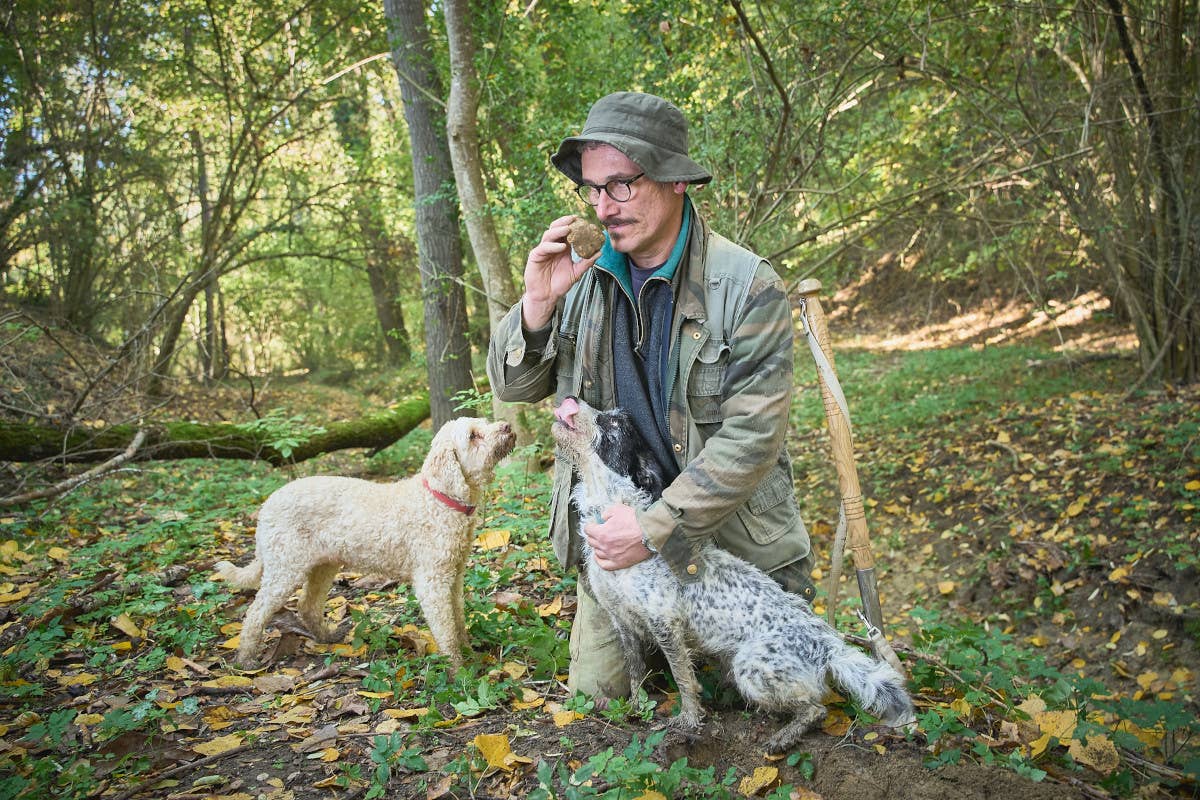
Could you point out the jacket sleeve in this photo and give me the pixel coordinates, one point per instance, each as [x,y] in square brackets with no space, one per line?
[746,431]
[520,364]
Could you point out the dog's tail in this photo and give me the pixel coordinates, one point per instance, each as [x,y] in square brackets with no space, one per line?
[874,685]
[246,577]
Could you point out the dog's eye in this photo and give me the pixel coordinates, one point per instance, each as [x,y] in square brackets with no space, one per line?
[476,435]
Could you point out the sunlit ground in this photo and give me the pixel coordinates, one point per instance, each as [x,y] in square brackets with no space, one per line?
[1071,326]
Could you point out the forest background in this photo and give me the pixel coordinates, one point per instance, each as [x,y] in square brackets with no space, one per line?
[206,206]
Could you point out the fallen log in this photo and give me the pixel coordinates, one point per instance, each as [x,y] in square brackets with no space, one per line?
[273,443]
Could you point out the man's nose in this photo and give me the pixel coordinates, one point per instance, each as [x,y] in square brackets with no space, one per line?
[606,207]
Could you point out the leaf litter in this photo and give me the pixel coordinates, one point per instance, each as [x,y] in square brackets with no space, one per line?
[1064,529]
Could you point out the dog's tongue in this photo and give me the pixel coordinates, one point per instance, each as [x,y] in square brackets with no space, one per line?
[566,412]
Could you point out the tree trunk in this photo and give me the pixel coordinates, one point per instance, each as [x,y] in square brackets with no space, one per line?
[1134,194]
[273,442]
[439,248]
[463,137]
[384,254]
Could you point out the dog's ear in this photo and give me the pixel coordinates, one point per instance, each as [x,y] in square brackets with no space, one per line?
[647,475]
[442,461]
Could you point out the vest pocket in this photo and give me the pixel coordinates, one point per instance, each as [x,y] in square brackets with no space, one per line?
[769,513]
[705,382]
[564,366]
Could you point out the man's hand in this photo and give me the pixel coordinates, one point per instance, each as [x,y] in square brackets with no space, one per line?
[549,274]
[617,540]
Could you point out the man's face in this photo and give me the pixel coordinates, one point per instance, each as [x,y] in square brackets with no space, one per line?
[645,226]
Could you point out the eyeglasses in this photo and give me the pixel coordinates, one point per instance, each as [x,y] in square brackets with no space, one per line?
[618,189]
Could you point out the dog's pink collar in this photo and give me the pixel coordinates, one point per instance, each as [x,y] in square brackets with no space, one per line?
[449,501]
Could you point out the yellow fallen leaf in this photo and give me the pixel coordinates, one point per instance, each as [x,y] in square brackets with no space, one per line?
[552,608]
[763,778]
[1076,508]
[88,719]
[494,747]
[529,699]
[564,718]
[1032,705]
[1098,753]
[961,707]
[1059,724]
[406,713]
[220,717]
[330,754]
[1039,745]
[82,679]
[1150,738]
[222,744]
[12,597]
[1161,633]
[492,539]
[1147,679]
[389,726]
[836,723]
[515,670]
[229,682]
[945,587]
[296,715]
[1119,575]
[127,626]
[1192,486]
[650,794]
[1165,599]
[59,554]
[1038,640]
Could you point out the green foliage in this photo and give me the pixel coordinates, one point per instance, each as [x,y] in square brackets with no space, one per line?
[388,755]
[281,432]
[633,771]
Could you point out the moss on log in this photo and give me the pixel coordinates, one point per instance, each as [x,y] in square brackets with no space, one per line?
[169,440]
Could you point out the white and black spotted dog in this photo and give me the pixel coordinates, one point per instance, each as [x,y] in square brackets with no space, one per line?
[776,651]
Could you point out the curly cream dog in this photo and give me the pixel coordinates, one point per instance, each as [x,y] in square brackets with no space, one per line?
[778,653]
[417,530]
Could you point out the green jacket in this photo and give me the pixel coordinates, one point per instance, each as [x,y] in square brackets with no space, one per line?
[730,396]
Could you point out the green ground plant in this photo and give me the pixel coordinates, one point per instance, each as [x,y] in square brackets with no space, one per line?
[119,590]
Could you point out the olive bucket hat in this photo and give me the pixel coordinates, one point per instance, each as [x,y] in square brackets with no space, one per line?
[649,130]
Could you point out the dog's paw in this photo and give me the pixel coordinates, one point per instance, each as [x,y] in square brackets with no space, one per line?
[686,721]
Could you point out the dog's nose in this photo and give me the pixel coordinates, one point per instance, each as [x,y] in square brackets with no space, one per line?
[566,412]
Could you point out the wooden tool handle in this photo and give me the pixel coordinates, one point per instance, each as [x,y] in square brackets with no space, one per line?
[839,432]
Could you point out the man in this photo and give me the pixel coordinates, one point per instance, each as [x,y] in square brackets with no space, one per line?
[689,332]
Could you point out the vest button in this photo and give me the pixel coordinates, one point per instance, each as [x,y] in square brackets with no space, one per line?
[695,334]
[678,447]
[692,569]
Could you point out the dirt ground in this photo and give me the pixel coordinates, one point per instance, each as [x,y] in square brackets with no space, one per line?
[860,764]
[848,762]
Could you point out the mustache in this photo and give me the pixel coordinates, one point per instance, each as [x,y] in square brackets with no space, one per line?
[617,221]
